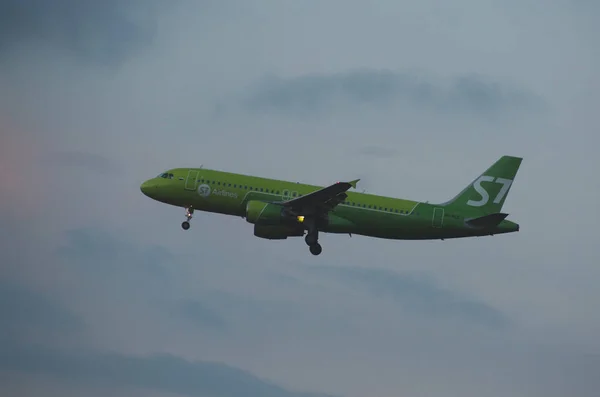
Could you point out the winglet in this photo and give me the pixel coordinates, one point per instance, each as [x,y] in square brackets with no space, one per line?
[354,182]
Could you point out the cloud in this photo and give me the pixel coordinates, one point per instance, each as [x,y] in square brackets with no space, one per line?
[418,294]
[26,313]
[415,99]
[317,94]
[198,314]
[106,32]
[18,152]
[377,151]
[162,372]
[88,161]
[101,252]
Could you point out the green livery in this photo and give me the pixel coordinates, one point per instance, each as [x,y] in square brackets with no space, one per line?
[280,209]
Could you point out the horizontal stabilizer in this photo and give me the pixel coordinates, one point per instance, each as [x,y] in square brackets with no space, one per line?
[354,183]
[486,221]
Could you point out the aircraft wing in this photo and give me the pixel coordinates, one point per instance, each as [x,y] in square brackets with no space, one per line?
[325,199]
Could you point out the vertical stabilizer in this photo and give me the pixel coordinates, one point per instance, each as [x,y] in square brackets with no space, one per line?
[487,193]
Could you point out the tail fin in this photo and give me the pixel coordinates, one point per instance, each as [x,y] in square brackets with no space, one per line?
[487,193]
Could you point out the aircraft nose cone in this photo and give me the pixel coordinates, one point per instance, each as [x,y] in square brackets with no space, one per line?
[146,188]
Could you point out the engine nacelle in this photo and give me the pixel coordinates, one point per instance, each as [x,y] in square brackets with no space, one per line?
[272,221]
[277,232]
[261,213]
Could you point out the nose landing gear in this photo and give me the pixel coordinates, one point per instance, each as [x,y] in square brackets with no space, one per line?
[188,214]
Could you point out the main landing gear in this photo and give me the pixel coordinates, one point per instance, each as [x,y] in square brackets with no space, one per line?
[312,240]
[188,214]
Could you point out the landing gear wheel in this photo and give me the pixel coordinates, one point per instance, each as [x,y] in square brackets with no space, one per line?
[315,249]
[311,239]
[185,225]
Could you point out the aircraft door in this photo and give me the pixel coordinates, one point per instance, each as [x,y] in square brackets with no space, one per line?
[191,183]
[438,217]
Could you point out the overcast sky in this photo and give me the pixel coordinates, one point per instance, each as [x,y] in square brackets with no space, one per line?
[103,294]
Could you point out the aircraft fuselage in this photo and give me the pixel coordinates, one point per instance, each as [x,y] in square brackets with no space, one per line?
[200,189]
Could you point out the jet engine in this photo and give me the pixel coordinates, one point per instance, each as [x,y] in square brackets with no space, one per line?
[261,213]
[277,232]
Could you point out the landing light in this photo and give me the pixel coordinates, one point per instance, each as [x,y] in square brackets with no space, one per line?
[300,219]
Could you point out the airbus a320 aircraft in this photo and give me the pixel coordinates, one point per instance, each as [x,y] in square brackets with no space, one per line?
[280,209]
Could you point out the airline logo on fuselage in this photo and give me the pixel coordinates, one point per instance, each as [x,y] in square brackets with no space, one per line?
[204,190]
[224,193]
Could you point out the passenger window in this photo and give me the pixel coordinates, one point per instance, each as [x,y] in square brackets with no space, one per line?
[246,187]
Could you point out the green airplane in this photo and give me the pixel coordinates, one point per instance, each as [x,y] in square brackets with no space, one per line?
[280,209]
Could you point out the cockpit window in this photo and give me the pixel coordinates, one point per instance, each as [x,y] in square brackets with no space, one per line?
[166,176]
